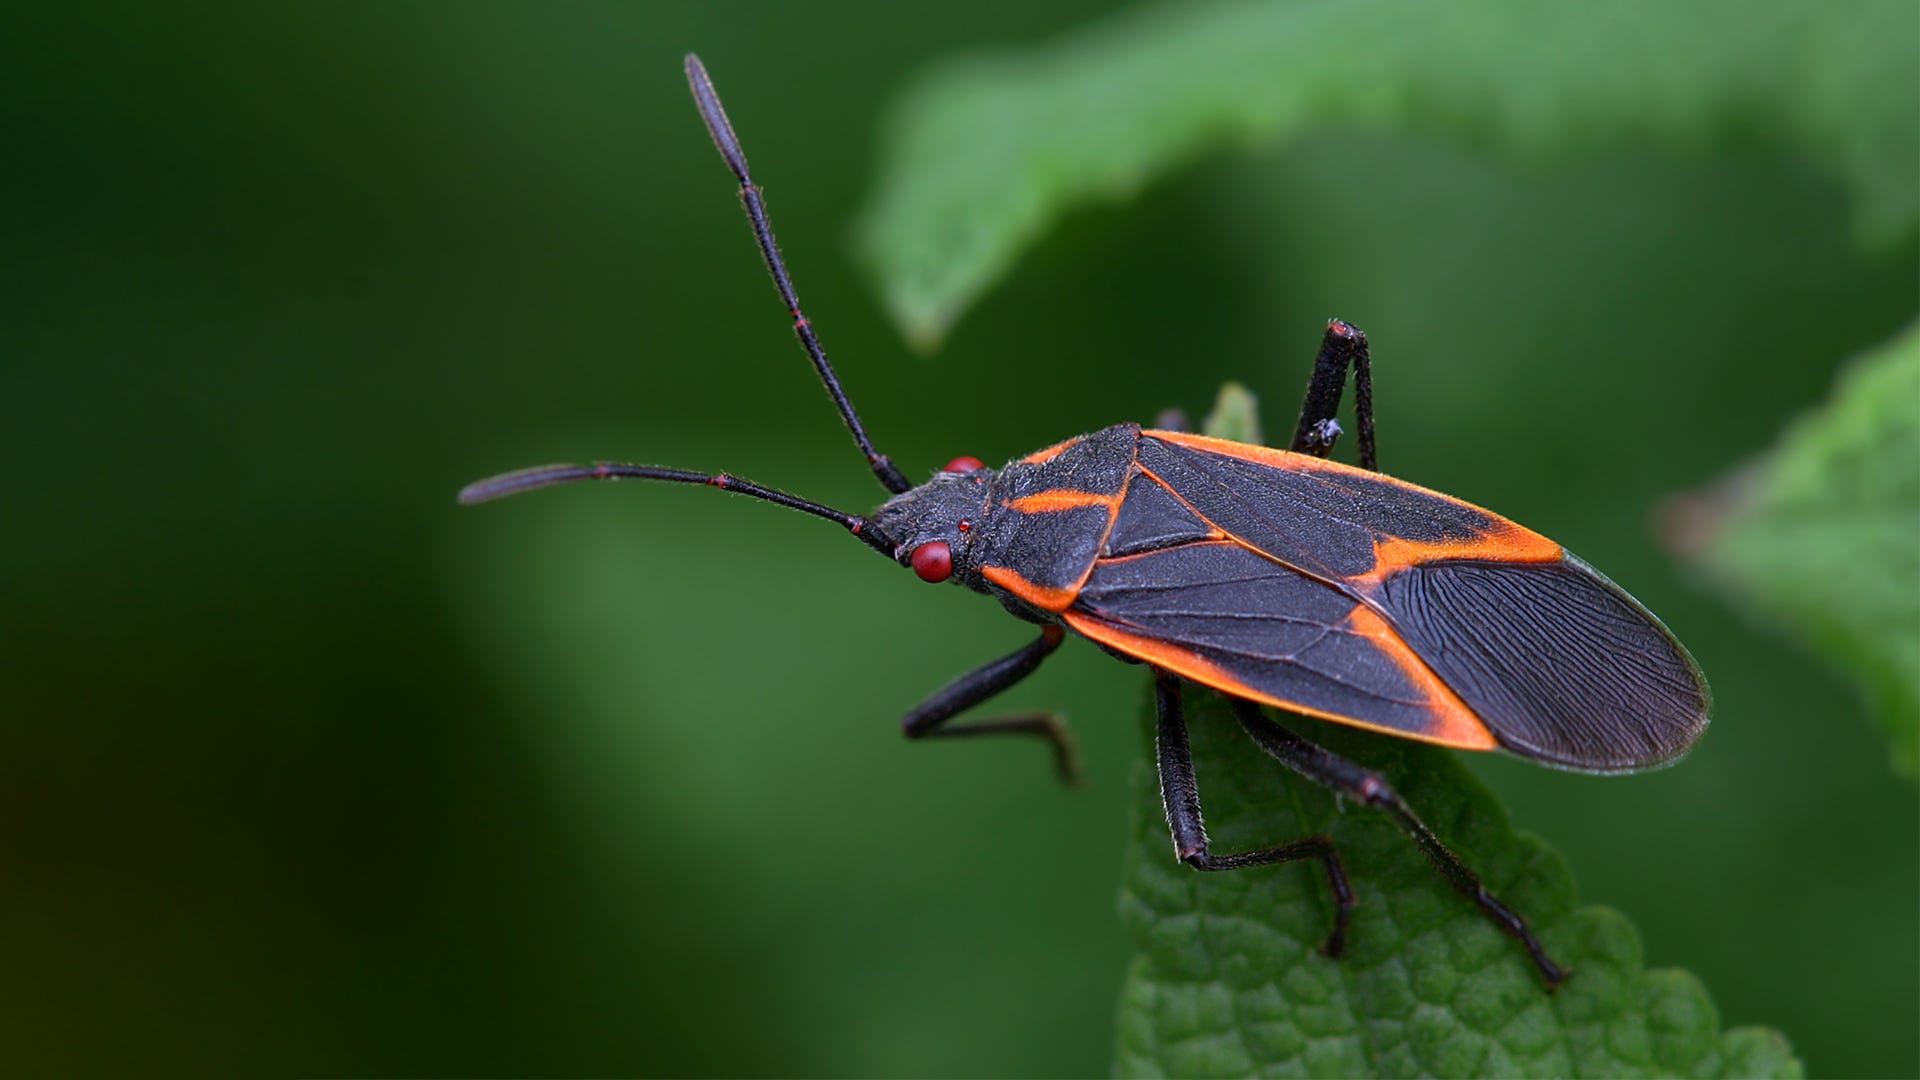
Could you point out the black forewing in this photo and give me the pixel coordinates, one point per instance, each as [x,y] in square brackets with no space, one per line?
[1561,664]
[1271,629]
[1324,521]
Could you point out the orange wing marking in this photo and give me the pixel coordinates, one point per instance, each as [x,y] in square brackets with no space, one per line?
[1288,461]
[1453,724]
[1504,542]
[1264,455]
[1508,544]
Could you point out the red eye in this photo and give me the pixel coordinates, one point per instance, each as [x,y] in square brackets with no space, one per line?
[965,463]
[933,562]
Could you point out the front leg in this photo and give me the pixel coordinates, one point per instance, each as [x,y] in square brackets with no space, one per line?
[928,719]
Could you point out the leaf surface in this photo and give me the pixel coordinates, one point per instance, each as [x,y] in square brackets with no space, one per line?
[987,152]
[1821,538]
[1228,980]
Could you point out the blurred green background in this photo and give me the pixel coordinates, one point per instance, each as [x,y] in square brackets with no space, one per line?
[308,770]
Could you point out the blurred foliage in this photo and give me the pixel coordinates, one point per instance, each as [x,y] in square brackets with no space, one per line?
[1235,415]
[1822,537]
[1229,980]
[988,151]
[310,770]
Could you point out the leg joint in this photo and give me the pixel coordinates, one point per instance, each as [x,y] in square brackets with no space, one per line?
[1373,790]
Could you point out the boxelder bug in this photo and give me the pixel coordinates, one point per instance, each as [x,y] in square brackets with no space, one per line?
[1273,576]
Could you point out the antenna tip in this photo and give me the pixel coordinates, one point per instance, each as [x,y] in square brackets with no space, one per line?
[475,492]
[513,483]
[707,100]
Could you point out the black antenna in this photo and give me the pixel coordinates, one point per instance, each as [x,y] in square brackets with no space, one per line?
[513,483]
[729,146]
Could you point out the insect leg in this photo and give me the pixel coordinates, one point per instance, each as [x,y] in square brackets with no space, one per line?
[1180,794]
[928,719]
[1328,769]
[1317,431]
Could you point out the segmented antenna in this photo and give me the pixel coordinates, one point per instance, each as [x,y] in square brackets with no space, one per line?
[750,196]
[540,476]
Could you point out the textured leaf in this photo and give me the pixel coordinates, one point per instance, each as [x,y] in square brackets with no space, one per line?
[1229,980]
[1823,536]
[986,153]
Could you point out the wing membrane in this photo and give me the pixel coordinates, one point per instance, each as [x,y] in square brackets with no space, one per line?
[1559,662]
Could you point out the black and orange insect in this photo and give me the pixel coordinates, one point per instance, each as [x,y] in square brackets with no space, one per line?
[1274,576]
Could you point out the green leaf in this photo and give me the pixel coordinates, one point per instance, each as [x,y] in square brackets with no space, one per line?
[988,151]
[1229,980]
[1235,415]
[1822,538]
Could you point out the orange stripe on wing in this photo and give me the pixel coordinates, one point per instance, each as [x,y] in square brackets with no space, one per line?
[1289,461]
[1454,725]
[1044,597]
[1505,541]
[1264,455]
[1508,543]
[1062,499]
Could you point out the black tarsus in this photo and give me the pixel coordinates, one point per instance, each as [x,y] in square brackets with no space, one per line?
[928,719]
[1334,772]
[728,144]
[513,483]
[1317,431]
[1180,795]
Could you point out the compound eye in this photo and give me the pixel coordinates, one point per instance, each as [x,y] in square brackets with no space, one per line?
[964,464]
[933,562]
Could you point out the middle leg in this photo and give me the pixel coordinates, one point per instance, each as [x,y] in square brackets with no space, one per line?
[1180,794]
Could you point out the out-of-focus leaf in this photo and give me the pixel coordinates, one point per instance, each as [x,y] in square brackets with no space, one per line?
[1235,415]
[985,153]
[1822,537]
[1229,980]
